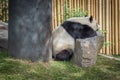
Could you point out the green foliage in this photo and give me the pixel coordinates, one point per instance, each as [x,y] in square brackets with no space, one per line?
[4,10]
[116,55]
[106,43]
[15,69]
[75,12]
[103,31]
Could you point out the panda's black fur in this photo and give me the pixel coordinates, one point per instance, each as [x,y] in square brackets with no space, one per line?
[76,30]
[64,55]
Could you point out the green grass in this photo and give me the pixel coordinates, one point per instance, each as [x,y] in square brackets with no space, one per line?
[116,55]
[14,69]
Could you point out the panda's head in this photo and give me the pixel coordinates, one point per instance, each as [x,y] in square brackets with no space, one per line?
[90,21]
[81,27]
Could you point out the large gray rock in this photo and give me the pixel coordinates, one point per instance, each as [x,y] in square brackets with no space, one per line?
[4,39]
[3,35]
[30,29]
[3,26]
[86,50]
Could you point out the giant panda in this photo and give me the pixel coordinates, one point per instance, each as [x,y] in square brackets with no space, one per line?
[64,36]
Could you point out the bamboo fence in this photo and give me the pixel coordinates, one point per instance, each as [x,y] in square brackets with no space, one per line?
[4,10]
[106,12]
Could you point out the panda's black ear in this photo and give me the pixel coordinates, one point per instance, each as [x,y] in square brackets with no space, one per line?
[91,19]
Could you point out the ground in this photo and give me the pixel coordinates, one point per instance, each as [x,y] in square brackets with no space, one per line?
[14,69]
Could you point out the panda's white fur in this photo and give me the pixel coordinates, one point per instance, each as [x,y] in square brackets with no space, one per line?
[63,40]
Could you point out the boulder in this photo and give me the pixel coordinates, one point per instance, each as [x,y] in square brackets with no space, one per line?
[86,50]
[3,35]
[3,26]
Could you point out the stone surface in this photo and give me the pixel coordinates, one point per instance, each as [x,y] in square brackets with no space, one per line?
[86,50]
[3,26]
[3,35]
[30,29]
[4,39]
[61,40]
[85,53]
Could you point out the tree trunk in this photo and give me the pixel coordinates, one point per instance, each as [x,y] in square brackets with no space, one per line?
[30,29]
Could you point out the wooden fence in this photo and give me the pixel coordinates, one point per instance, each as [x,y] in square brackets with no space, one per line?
[106,12]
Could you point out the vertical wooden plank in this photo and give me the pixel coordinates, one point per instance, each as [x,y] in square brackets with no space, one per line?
[58,12]
[6,10]
[77,2]
[72,5]
[110,23]
[113,10]
[83,5]
[62,10]
[86,5]
[114,39]
[103,21]
[107,26]
[2,9]
[75,6]
[100,18]
[116,25]
[114,36]
[91,7]
[119,24]
[53,15]
[89,10]
[96,10]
